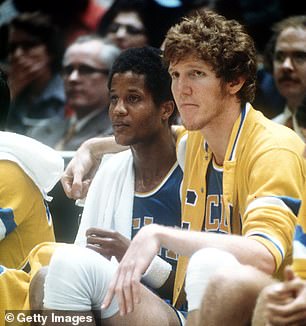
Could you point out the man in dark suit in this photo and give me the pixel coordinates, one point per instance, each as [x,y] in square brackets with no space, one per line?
[85,69]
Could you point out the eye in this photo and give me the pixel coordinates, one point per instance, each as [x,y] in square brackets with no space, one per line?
[134,30]
[113,28]
[86,70]
[113,99]
[299,57]
[279,56]
[174,74]
[197,73]
[133,98]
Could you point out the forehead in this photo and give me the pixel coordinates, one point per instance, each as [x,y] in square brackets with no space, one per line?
[291,39]
[190,62]
[128,18]
[84,52]
[128,80]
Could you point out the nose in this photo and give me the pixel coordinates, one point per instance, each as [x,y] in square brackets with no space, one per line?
[74,75]
[288,63]
[181,86]
[119,108]
[17,52]
[121,32]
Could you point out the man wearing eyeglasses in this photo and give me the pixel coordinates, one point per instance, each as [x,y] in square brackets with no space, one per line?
[287,58]
[85,69]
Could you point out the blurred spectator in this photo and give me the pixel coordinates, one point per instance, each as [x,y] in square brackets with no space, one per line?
[133,23]
[267,98]
[5,98]
[86,65]
[258,16]
[34,56]
[125,24]
[29,170]
[286,59]
[73,17]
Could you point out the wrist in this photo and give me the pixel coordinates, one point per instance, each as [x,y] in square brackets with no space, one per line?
[156,232]
[157,273]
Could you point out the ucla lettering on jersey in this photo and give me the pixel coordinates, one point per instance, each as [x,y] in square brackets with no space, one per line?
[214,220]
[191,197]
[160,206]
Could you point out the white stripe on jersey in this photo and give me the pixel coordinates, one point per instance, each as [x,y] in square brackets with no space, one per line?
[2,230]
[266,202]
[181,151]
[233,152]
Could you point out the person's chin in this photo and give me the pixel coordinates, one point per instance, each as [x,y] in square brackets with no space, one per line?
[190,125]
[77,105]
[123,141]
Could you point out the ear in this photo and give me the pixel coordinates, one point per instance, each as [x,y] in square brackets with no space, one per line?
[235,85]
[167,109]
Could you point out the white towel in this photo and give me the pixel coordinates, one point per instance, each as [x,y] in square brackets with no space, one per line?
[109,205]
[109,202]
[40,162]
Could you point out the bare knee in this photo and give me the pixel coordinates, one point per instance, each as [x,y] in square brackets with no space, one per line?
[245,282]
[202,266]
[233,292]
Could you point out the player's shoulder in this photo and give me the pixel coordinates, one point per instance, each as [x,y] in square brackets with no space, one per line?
[10,171]
[272,134]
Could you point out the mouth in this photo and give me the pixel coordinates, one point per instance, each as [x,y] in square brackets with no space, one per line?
[119,125]
[187,106]
[287,80]
[74,92]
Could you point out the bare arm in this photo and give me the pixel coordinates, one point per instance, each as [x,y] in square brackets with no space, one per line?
[187,243]
[138,257]
[82,168]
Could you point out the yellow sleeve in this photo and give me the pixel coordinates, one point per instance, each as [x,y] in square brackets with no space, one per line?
[25,219]
[274,199]
[16,196]
[299,243]
[14,287]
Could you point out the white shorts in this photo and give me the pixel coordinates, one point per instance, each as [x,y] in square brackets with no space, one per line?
[77,280]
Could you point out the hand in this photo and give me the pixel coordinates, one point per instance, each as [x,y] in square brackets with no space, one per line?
[126,281]
[26,70]
[79,173]
[286,302]
[107,242]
